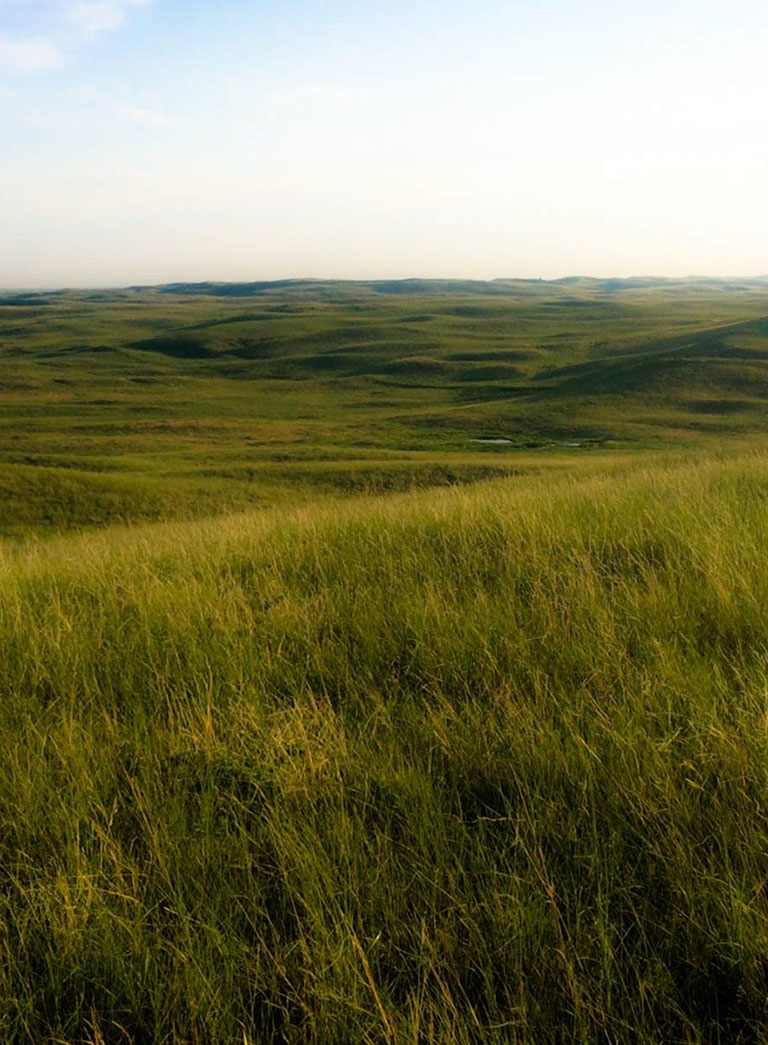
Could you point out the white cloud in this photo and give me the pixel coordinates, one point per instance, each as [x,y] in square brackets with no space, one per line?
[28,54]
[61,25]
[92,17]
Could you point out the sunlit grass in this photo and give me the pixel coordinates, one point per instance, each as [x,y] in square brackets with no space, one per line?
[476,765]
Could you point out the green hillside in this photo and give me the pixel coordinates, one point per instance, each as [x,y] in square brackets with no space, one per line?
[187,400]
[480,765]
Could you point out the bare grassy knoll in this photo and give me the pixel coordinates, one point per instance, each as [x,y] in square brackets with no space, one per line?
[486,764]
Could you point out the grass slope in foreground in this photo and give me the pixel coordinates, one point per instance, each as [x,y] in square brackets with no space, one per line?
[480,765]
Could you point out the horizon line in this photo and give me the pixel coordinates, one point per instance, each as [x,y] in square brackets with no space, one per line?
[353,280]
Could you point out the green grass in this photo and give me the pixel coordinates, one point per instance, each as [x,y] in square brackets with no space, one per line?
[323,721]
[180,402]
[483,764]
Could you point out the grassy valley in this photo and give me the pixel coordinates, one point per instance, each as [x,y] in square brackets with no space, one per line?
[188,400]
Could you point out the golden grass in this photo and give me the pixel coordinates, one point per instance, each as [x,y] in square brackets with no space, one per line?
[477,765]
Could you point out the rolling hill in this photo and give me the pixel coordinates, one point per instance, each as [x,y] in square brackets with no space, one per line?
[188,399]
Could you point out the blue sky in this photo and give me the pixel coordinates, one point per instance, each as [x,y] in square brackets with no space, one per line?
[157,140]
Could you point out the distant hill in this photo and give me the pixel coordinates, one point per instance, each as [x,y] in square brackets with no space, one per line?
[334,289]
[186,398]
[345,290]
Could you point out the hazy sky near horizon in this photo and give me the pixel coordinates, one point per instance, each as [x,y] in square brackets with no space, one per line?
[146,141]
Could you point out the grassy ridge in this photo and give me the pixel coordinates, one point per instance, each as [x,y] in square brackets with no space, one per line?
[477,765]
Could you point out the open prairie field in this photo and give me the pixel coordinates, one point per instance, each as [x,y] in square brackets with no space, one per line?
[323,722]
[188,400]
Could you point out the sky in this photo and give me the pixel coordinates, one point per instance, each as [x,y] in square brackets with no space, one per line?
[148,141]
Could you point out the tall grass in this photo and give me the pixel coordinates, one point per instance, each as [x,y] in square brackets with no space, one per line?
[479,765]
